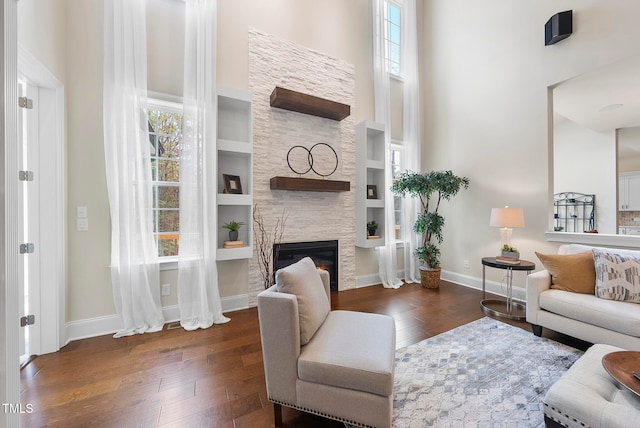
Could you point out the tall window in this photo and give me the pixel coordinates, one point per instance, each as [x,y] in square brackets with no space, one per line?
[165,138]
[396,169]
[392,25]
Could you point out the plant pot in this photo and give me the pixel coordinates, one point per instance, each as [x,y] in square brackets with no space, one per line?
[233,235]
[511,254]
[430,278]
[371,231]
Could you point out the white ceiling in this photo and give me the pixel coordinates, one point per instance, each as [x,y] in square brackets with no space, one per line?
[602,100]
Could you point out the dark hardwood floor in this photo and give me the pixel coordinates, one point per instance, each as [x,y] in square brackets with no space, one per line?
[213,377]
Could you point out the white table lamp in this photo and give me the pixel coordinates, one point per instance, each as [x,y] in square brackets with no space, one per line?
[506,218]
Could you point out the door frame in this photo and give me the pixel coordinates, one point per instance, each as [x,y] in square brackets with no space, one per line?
[9,211]
[52,224]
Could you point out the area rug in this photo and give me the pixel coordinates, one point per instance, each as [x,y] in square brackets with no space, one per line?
[482,374]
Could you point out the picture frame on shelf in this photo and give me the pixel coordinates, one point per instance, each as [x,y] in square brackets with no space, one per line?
[232,184]
[372,191]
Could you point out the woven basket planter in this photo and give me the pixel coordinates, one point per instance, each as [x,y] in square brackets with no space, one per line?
[430,278]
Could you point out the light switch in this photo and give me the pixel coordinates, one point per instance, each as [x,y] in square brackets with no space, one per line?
[81,212]
[82,224]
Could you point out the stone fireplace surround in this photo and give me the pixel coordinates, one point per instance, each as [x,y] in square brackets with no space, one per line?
[312,216]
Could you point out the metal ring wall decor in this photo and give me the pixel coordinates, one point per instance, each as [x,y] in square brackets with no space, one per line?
[310,159]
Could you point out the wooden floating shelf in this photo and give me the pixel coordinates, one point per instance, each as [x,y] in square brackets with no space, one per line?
[308,104]
[309,184]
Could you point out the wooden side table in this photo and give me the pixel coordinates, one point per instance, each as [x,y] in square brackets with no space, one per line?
[505,308]
[621,365]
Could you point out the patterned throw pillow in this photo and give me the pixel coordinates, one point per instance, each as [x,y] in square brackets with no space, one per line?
[617,276]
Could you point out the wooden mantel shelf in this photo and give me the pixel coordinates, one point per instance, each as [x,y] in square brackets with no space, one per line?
[308,104]
[309,184]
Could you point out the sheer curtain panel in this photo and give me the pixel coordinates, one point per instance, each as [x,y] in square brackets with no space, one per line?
[411,138]
[134,262]
[198,295]
[387,262]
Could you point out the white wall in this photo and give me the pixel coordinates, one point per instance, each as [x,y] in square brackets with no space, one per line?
[629,137]
[585,162]
[486,72]
[49,28]
[41,30]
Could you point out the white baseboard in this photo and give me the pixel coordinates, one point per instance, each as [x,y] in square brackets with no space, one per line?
[235,303]
[367,280]
[99,326]
[494,287]
[373,279]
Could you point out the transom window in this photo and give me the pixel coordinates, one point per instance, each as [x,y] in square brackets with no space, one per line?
[392,36]
[165,138]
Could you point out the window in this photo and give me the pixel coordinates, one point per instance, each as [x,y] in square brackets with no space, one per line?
[396,169]
[392,26]
[165,138]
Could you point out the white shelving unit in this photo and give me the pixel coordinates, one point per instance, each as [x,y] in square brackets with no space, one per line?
[235,157]
[370,170]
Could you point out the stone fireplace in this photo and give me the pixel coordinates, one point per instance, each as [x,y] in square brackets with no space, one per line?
[311,215]
[323,253]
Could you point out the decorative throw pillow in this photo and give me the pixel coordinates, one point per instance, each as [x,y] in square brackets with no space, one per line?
[571,272]
[617,276]
[303,280]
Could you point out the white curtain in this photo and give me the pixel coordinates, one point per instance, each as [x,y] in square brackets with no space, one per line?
[387,262]
[134,264]
[411,135]
[198,295]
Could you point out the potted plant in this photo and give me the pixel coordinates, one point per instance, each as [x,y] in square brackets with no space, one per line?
[233,227]
[372,226]
[510,252]
[436,185]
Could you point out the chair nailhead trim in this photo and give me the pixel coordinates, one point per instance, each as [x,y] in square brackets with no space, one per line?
[325,415]
[565,415]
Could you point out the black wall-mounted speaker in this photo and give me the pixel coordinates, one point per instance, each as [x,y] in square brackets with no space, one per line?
[558,27]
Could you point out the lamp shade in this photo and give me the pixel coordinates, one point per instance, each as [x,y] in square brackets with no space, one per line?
[507,217]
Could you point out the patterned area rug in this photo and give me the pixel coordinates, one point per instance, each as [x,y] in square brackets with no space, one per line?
[482,374]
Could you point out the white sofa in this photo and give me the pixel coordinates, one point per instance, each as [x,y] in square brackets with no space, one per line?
[583,316]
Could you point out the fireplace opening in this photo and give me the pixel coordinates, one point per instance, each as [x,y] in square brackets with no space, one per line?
[323,253]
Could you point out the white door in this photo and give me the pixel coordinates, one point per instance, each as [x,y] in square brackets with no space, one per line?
[30,259]
[42,127]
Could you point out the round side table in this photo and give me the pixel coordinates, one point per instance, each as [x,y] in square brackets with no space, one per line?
[621,366]
[505,308]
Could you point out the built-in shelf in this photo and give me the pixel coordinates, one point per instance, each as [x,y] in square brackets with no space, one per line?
[308,104]
[234,253]
[374,203]
[235,157]
[309,184]
[232,199]
[370,171]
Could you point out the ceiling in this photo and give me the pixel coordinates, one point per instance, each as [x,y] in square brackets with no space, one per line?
[604,99]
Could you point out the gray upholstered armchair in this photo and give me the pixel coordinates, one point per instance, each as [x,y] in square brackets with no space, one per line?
[337,364]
